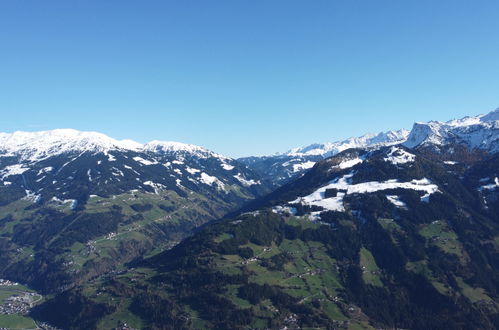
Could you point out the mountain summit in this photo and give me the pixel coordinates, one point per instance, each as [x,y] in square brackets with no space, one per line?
[36,146]
[479,132]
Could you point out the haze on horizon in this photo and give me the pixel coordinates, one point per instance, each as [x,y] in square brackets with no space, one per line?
[242,77]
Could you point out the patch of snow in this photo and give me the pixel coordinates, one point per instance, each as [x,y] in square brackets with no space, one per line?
[395,200]
[332,204]
[398,156]
[157,186]
[117,172]
[227,167]
[210,180]
[349,163]
[179,172]
[16,169]
[244,181]
[131,168]
[490,186]
[192,170]
[284,210]
[45,170]
[178,162]
[111,158]
[302,166]
[144,161]
[449,162]
[31,196]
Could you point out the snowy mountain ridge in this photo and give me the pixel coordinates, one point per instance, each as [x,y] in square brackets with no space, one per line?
[478,132]
[36,146]
[368,140]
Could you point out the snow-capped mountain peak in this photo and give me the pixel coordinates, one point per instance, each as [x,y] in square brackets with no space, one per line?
[480,132]
[170,147]
[491,116]
[70,164]
[35,146]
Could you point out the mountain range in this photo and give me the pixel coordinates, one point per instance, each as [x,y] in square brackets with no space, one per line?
[390,230]
[63,191]
[480,132]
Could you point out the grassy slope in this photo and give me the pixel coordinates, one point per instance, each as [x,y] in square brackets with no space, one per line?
[175,217]
[310,275]
[16,322]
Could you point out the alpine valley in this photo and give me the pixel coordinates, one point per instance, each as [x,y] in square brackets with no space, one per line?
[397,230]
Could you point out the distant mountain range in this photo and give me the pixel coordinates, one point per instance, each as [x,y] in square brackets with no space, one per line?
[280,168]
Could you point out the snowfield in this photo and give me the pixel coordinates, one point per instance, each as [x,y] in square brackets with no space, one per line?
[344,187]
[349,163]
[210,180]
[227,167]
[192,170]
[395,200]
[301,166]
[13,170]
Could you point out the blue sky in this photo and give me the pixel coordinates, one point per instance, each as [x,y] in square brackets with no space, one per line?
[245,77]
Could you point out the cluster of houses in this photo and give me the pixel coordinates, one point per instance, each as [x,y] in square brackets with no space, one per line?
[253,259]
[18,304]
[7,283]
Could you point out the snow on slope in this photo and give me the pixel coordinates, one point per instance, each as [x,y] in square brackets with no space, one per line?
[399,156]
[344,187]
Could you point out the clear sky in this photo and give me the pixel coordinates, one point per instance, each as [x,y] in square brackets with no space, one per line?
[245,77]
